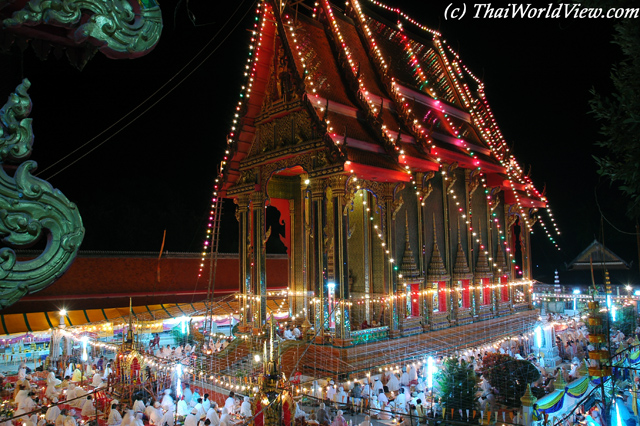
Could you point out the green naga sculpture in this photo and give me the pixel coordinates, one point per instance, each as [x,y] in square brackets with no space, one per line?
[118,28]
[30,208]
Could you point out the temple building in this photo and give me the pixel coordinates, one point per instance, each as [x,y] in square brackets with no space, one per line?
[395,196]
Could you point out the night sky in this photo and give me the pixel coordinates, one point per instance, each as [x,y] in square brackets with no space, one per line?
[157,173]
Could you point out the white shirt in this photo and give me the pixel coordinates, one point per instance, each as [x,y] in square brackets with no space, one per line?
[87,408]
[60,420]
[167,401]
[331,392]
[156,416]
[191,420]
[212,415]
[138,406]
[288,335]
[169,418]
[114,418]
[230,405]
[183,408]
[52,414]
[245,409]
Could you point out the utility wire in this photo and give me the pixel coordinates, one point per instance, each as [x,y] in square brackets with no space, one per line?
[595,192]
[151,96]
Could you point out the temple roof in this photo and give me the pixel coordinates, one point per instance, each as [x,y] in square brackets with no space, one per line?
[107,280]
[597,256]
[366,82]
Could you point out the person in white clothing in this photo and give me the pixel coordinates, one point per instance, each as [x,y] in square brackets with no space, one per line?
[115,418]
[206,403]
[383,401]
[22,394]
[377,386]
[331,391]
[137,421]
[53,412]
[191,419]
[51,379]
[87,408]
[230,404]
[187,394]
[169,417]
[393,384]
[27,405]
[70,421]
[212,415]
[167,400]
[107,372]
[341,397]
[183,408]
[288,334]
[128,417]
[245,408]
[297,333]
[225,420]
[155,417]
[138,406]
[413,375]
[97,380]
[60,419]
[404,380]
[200,409]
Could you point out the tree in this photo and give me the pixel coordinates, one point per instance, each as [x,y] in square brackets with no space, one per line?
[509,376]
[626,320]
[458,385]
[619,114]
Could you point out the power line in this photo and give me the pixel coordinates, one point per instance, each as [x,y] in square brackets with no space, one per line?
[170,90]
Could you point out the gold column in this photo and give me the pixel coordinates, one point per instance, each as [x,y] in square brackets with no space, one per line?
[293,280]
[306,243]
[341,258]
[389,274]
[452,297]
[244,255]
[259,270]
[319,257]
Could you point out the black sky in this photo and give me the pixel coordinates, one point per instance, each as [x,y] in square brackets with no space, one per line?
[157,173]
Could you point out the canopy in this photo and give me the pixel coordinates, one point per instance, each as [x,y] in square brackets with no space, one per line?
[41,321]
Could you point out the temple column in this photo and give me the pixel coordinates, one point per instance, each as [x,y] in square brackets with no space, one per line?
[319,256]
[341,258]
[389,264]
[452,297]
[306,244]
[367,233]
[294,282]
[259,270]
[244,256]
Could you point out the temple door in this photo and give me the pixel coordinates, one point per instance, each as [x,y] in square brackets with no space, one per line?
[466,294]
[504,282]
[415,299]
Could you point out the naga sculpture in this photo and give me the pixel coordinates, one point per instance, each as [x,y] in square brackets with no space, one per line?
[30,209]
[118,28]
